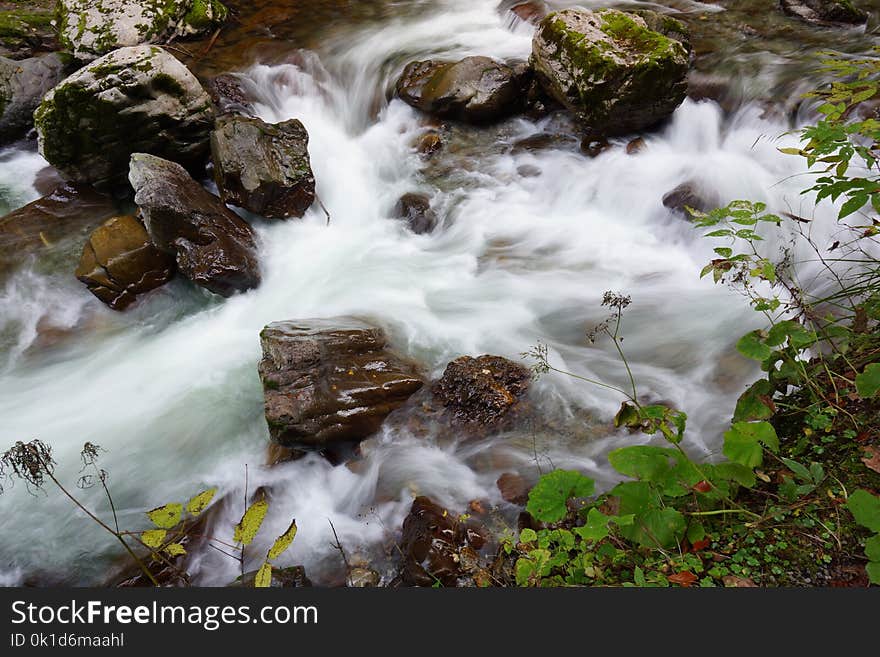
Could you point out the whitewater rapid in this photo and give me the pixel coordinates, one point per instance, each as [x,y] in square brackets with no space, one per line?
[528,244]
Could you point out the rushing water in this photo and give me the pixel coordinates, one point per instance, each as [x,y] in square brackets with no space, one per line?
[529,243]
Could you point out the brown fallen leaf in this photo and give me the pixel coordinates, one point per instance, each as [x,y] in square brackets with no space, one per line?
[684,578]
[872,458]
[738,582]
[701,544]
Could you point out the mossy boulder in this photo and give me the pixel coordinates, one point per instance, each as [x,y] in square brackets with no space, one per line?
[473,90]
[23,84]
[611,68]
[91,28]
[120,262]
[263,167]
[822,12]
[137,99]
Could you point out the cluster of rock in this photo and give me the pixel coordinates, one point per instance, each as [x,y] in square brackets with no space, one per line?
[616,71]
[136,121]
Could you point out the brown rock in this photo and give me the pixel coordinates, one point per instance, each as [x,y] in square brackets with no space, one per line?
[263,167]
[119,262]
[214,247]
[52,229]
[330,381]
[429,143]
[229,96]
[690,194]
[473,90]
[416,210]
[637,145]
[514,488]
[483,389]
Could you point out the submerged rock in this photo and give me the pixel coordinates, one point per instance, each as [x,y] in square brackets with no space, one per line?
[52,229]
[263,167]
[825,11]
[213,246]
[330,381]
[229,96]
[120,262]
[611,68]
[26,28]
[473,90]
[23,84]
[690,194]
[437,546]
[481,390]
[291,577]
[91,28]
[416,210]
[132,100]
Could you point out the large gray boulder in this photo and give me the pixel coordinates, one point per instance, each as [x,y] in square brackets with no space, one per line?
[132,100]
[263,167]
[23,84]
[611,68]
[120,262]
[473,90]
[91,28]
[213,246]
[330,381]
[822,12]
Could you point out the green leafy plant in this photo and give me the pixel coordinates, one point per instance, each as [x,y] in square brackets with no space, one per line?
[865,508]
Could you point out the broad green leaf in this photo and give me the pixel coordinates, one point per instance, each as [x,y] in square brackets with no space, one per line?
[696,532]
[596,528]
[743,442]
[263,578]
[166,517]
[855,203]
[201,501]
[872,548]
[627,416]
[755,403]
[873,570]
[656,528]
[547,500]
[282,542]
[868,382]
[865,508]
[525,569]
[642,462]
[175,549]
[729,471]
[247,528]
[528,535]
[798,336]
[153,537]
[752,345]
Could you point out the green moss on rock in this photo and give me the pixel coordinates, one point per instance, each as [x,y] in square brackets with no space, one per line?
[610,68]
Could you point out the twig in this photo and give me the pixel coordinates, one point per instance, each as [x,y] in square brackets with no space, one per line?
[210,43]
[338,546]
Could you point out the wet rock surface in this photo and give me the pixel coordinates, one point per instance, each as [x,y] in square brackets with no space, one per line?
[611,68]
[691,194]
[473,90]
[263,167]
[27,29]
[229,95]
[52,229]
[438,547]
[416,210]
[23,84]
[214,247]
[120,262]
[822,12]
[330,381]
[132,100]
[481,390]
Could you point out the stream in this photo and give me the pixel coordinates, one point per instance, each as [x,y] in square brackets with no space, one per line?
[529,241]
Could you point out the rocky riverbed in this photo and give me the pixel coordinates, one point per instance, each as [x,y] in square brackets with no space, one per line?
[316,237]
